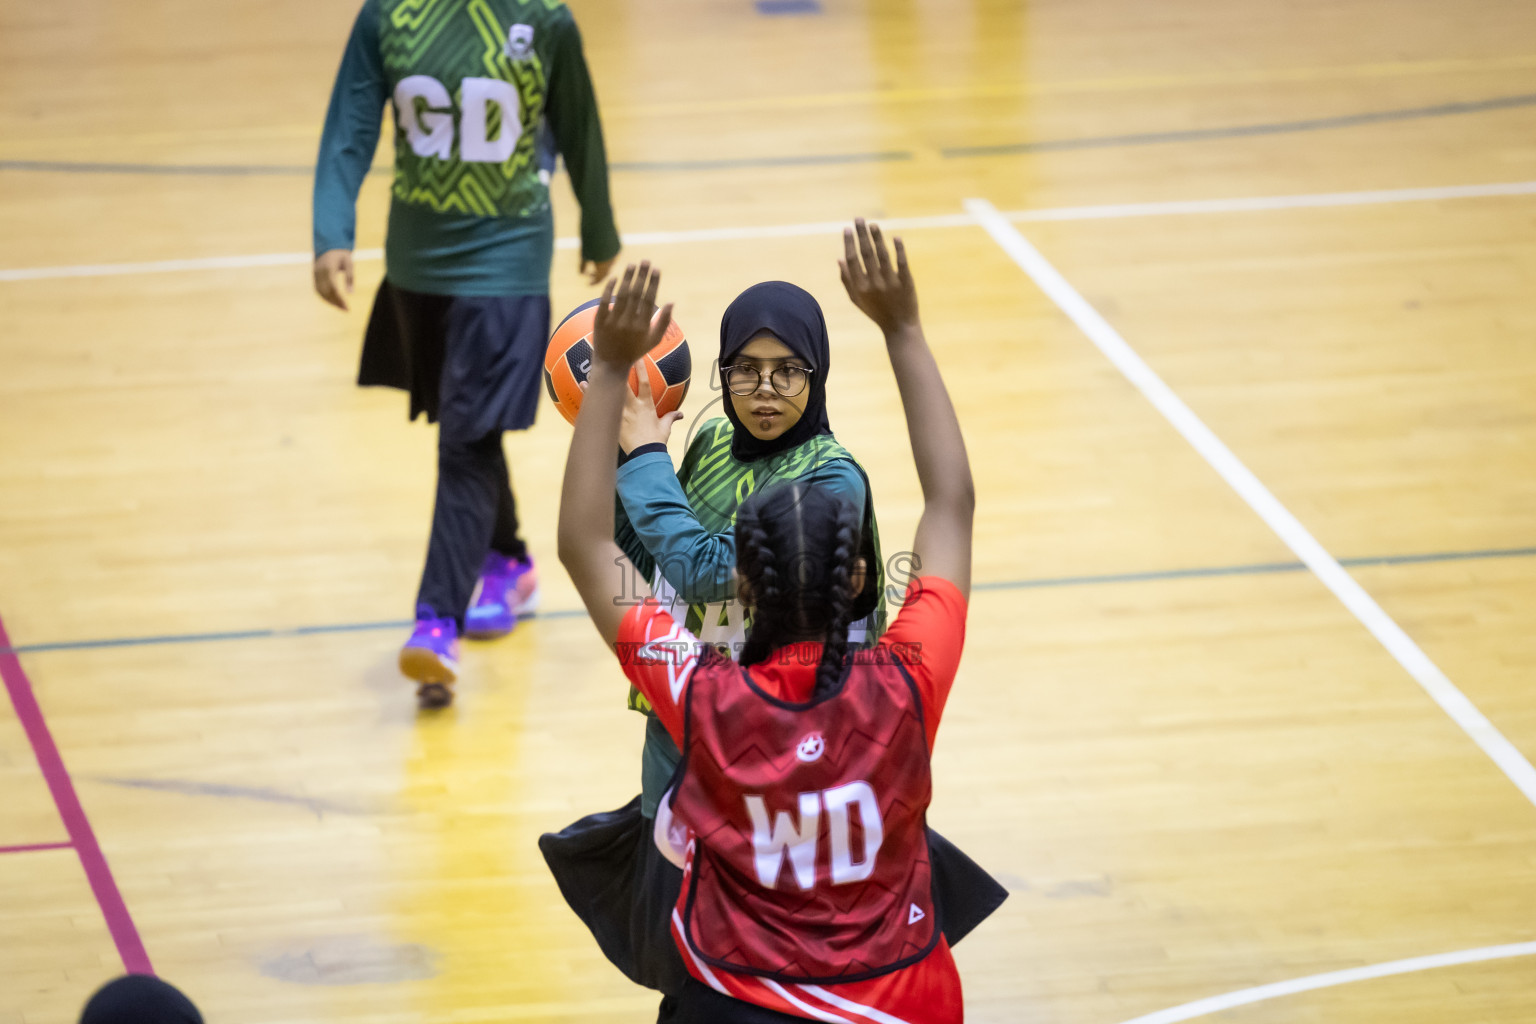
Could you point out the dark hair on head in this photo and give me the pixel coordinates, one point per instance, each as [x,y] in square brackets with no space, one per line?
[139,999]
[796,546]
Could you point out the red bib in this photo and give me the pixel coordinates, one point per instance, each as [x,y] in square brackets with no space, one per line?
[810,861]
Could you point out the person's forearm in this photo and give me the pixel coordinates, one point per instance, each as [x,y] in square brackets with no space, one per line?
[938,448]
[699,565]
[586,496]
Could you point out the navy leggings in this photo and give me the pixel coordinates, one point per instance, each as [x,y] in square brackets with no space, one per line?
[475,512]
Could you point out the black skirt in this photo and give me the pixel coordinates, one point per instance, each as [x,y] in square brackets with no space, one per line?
[610,872]
[472,363]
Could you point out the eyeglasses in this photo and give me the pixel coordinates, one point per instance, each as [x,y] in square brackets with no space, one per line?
[744,379]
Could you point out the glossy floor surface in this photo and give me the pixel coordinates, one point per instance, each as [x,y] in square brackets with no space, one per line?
[1205,770]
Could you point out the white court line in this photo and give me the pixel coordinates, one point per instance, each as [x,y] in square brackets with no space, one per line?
[266,259]
[733,234]
[1279,989]
[1258,497]
[1257,203]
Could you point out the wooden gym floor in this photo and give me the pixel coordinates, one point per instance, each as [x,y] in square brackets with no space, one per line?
[1221,784]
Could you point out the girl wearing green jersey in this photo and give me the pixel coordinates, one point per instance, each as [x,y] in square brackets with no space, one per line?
[678,531]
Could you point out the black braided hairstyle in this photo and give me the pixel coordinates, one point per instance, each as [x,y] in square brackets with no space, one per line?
[796,547]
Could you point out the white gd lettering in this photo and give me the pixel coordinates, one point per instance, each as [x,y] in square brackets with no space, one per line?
[430,131]
[770,842]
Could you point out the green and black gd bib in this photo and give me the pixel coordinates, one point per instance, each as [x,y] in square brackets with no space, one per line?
[469,80]
[715,484]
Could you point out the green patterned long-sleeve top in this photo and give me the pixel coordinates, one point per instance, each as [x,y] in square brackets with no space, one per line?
[472,85]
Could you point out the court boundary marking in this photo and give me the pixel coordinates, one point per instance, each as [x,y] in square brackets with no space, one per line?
[130,947]
[36,847]
[1150,576]
[1331,979]
[1258,497]
[1104,211]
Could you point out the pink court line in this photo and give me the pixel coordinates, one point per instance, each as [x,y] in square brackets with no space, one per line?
[129,946]
[35,846]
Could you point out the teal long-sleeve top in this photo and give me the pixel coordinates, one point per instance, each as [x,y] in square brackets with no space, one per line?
[701,565]
[434,246]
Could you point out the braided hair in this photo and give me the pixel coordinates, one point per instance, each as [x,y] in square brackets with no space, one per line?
[796,547]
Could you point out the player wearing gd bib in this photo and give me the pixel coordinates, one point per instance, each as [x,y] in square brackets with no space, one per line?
[479,90]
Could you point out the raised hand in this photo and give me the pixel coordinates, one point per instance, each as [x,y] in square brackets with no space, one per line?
[878,285]
[624,329]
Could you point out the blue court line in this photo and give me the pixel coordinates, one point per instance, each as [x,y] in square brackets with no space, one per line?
[811,160]
[839,159]
[1208,572]
[295,170]
[264,794]
[170,170]
[774,8]
[1315,124]
[1142,577]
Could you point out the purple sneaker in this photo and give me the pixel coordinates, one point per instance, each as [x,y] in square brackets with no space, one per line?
[431,657]
[508,588]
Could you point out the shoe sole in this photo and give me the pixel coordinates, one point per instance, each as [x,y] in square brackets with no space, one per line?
[427,667]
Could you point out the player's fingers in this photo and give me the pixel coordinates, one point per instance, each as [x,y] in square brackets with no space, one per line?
[866,248]
[604,309]
[632,309]
[331,292]
[670,419]
[850,259]
[648,302]
[346,267]
[887,269]
[903,271]
[643,392]
[659,326]
[852,265]
[621,301]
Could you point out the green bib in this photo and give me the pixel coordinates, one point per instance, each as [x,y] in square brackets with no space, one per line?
[468,81]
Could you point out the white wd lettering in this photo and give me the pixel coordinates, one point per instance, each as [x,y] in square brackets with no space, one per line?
[770,843]
[837,800]
[769,846]
[430,131]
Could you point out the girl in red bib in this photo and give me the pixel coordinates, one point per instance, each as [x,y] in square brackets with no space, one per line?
[798,811]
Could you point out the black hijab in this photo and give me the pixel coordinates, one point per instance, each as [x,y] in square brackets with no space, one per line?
[794,317]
